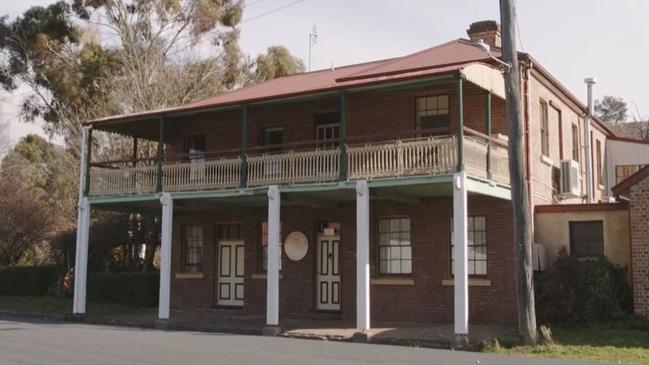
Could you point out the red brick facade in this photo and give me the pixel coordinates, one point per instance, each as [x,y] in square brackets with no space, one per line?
[424,299]
[639,217]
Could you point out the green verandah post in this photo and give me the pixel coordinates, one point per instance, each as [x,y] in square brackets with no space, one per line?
[460,125]
[343,136]
[243,180]
[488,129]
[86,187]
[158,187]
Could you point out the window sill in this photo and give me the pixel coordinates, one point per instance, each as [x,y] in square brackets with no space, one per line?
[392,281]
[547,160]
[261,276]
[472,282]
[189,275]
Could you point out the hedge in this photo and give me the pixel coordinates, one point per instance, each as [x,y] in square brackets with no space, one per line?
[134,289]
[582,290]
[27,280]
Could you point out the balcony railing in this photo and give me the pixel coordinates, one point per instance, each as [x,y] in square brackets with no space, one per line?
[401,158]
[127,180]
[386,159]
[291,167]
[198,174]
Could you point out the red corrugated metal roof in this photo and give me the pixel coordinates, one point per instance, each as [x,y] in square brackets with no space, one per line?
[445,58]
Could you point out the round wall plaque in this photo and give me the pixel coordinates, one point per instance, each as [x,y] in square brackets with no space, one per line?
[296,245]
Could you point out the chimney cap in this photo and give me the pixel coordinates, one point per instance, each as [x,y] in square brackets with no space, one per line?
[483,26]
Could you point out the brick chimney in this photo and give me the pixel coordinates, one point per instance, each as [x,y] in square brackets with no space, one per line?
[487,30]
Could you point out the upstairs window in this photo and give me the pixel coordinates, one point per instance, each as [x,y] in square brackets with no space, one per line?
[432,112]
[545,129]
[327,129]
[273,138]
[195,146]
[600,175]
[624,171]
[192,248]
[575,142]
[586,239]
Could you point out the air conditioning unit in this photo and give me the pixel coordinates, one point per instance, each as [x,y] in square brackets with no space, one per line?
[570,182]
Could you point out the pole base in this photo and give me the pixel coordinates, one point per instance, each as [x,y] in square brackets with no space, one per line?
[361,337]
[271,331]
[78,317]
[161,324]
[461,342]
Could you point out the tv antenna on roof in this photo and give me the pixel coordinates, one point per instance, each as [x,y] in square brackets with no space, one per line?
[313,40]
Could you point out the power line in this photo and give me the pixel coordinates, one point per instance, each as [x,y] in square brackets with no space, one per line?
[271,12]
[254,3]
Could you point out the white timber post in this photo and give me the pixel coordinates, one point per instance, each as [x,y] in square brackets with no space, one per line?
[83,231]
[165,255]
[272,281]
[460,265]
[362,256]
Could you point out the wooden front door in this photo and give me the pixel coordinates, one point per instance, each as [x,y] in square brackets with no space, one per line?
[230,283]
[328,273]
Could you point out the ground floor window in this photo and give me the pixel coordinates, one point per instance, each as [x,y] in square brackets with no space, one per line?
[192,248]
[395,251]
[264,247]
[477,245]
[587,239]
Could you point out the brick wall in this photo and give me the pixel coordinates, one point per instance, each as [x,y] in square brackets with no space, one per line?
[426,300]
[639,216]
[369,113]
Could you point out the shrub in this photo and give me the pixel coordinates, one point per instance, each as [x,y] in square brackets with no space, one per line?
[134,289]
[582,290]
[27,280]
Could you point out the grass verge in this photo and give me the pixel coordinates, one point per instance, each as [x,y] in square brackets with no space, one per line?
[611,342]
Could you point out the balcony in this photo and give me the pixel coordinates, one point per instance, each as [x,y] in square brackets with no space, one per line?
[484,158]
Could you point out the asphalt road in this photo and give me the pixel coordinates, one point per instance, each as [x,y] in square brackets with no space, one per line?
[54,343]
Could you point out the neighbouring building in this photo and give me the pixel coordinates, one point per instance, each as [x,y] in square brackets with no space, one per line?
[371,192]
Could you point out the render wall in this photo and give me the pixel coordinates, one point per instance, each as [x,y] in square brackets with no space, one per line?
[553,231]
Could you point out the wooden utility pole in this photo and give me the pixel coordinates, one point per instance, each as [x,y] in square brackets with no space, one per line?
[520,194]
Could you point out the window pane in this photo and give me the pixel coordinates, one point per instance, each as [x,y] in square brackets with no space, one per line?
[406,267]
[477,245]
[421,104]
[406,253]
[442,102]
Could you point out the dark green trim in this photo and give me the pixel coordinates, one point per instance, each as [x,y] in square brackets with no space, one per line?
[488,129]
[158,187]
[134,151]
[86,188]
[343,137]
[245,124]
[460,125]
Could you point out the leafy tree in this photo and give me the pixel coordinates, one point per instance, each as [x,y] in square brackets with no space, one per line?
[24,222]
[85,59]
[277,62]
[611,109]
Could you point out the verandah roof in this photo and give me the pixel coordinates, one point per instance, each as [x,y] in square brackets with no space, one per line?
[446,60]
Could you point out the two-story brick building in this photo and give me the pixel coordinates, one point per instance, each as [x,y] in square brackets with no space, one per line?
[376,192]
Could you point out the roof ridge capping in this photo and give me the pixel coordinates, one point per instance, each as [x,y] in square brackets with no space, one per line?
[368,72]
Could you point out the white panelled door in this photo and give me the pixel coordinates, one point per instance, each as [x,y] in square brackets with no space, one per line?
[328,274]
[230,283]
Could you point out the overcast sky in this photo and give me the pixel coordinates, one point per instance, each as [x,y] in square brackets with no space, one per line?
[573,39]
